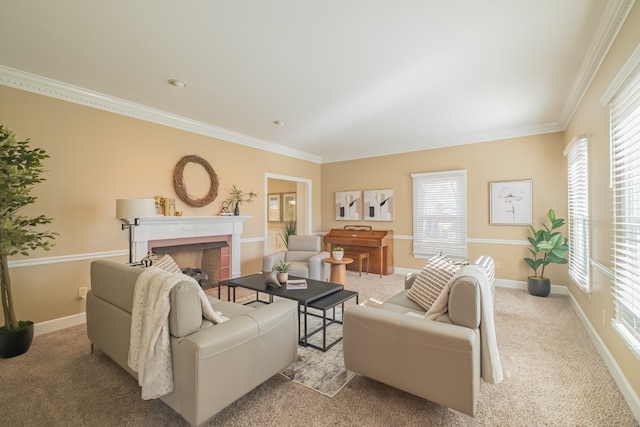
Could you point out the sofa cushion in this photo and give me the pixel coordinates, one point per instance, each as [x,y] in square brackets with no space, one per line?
[299,256]
[432,280]
[185,316]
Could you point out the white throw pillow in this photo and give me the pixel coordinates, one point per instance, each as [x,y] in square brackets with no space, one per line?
[432,280]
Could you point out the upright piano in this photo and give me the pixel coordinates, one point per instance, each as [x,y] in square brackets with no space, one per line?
[378,243]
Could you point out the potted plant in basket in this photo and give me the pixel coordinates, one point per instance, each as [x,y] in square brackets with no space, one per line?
[238,197]
[283,271]
[547,247]
[20,169]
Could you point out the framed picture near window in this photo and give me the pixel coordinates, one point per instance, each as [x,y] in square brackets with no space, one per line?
[273,207]
[289,207]
[510,202]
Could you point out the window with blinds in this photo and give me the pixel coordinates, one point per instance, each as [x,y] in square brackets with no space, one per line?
[625,183]
[440,214]
[577,154]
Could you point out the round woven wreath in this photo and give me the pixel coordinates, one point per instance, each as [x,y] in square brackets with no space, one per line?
[181,189]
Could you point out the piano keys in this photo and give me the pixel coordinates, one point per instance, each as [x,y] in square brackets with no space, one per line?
[378,243]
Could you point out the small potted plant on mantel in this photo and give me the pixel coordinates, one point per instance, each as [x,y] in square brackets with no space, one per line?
[238,197]
[20,169]
[283,271]
[553,248]
[337,253]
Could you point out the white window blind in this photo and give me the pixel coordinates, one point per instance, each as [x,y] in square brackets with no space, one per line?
[577,154]
[440,214]
[625,182]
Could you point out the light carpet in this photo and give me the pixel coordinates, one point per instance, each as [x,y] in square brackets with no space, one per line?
[553,377]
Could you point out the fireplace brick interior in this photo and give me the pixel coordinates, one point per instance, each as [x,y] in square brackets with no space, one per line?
[210,254]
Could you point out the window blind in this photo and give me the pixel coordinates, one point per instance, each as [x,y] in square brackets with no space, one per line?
[440,214]
[577,154]
[625,182]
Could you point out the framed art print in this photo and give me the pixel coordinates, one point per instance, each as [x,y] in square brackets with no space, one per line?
[273,208]
[348,205]
[378,205]
[510,202]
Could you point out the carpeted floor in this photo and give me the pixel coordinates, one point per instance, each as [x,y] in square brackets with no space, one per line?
[553,377]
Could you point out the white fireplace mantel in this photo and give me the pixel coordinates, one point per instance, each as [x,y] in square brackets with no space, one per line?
[184,227]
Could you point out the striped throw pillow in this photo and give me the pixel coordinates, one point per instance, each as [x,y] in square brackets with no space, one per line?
[167,263]
[432,280]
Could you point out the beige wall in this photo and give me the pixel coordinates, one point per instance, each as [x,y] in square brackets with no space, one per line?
[592,118]
[538,158]
[97,157]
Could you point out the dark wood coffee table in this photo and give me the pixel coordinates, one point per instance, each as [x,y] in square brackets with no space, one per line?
[316,290]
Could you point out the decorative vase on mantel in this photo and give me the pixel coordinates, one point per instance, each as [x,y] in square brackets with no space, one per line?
[236,211]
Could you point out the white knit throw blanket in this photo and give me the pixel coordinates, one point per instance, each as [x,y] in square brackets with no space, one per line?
[491,367]
[150,344]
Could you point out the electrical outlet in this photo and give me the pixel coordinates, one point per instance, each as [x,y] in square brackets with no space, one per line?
[82,292]
[498,265]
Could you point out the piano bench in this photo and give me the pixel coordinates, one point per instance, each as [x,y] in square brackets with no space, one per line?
[358,256]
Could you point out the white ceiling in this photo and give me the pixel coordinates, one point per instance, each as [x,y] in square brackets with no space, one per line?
[351,78]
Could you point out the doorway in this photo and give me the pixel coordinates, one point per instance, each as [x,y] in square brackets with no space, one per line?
[288,198]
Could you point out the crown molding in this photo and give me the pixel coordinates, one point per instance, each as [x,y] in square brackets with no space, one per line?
[612,20]
[54,89]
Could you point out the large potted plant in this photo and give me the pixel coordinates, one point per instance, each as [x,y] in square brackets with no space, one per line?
[548,246]
[20,169]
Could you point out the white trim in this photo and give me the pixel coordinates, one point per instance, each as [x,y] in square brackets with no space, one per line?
[620,78]
[614,369]
[499,241]
[613,18]
[603,269]
[60,323]
[65,258]
[77,95]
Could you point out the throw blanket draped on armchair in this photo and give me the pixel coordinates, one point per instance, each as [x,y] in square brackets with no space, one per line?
[150,346]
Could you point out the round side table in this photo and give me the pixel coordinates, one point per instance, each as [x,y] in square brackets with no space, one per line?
[339,270]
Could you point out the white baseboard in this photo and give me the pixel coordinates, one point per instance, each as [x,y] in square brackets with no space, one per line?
[621,381]
[623,384]
[61,323]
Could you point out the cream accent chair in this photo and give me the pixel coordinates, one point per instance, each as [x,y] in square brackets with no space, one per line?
[305,255]
[212,367]
[436,360]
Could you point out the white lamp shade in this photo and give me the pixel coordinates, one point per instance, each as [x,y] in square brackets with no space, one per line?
[135,208]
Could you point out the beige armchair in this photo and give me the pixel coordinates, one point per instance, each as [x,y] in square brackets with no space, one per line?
[305,255]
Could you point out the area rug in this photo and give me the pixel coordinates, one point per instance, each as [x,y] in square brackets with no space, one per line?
[321,371]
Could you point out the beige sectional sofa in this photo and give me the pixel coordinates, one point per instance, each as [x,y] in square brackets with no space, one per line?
[212,367]
[437,360]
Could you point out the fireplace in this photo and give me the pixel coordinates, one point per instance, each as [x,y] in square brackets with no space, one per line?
[218,236]
[207,262]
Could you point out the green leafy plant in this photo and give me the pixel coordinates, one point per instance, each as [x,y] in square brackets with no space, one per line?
[290,229]
[547,245]
[338,249]
[20,169]
[238,197]
[282,267]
